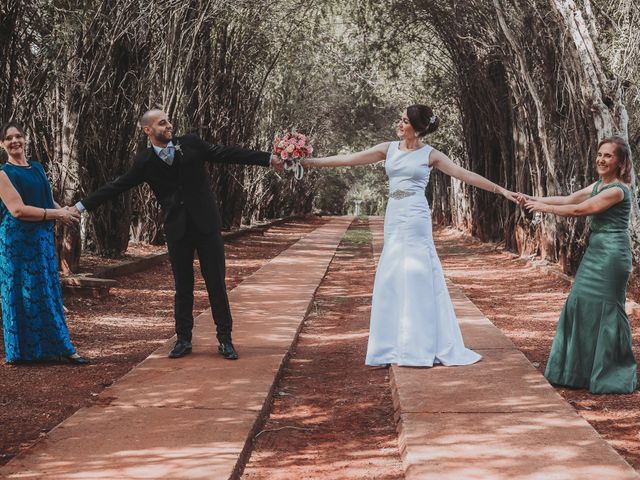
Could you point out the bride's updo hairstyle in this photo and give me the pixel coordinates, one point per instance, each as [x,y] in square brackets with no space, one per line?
[422,119]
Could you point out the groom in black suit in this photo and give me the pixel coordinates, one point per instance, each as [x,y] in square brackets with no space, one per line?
[174,168]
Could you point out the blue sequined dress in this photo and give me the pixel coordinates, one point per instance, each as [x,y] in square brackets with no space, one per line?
[33,321]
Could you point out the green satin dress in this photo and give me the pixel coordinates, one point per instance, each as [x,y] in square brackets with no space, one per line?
[592,347]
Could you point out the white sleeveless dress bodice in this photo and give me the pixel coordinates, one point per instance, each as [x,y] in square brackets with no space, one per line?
[412,318]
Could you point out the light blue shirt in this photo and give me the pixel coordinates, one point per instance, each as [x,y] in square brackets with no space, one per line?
[162,152]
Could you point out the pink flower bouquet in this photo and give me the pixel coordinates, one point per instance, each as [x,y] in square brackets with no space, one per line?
[291,148]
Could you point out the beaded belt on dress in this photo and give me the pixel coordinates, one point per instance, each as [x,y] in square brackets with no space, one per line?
[399,194]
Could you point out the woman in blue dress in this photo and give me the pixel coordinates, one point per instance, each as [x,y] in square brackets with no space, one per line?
[33,321]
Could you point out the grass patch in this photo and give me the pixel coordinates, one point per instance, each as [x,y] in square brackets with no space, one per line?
[359,236]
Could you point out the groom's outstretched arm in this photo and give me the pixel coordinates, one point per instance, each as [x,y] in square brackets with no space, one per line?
[131,178]
[230,155]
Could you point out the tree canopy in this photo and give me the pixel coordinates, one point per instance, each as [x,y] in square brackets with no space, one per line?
[524,90]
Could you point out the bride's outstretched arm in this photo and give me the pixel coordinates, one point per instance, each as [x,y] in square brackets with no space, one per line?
[372,155]
[443,163]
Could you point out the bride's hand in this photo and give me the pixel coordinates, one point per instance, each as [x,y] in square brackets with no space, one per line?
[523,198]
[508,194]
[277,163]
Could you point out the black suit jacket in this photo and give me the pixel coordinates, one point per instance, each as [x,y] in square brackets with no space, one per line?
[182,189]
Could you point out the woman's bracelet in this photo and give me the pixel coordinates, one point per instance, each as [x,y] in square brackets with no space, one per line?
[44,217]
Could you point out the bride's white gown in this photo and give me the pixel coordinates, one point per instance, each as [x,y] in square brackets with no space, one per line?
[412,317]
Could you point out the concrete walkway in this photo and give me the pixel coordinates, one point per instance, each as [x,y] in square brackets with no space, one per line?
[498,419]
[195,417]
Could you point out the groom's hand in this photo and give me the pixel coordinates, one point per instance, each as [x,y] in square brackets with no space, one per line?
[277,163]
[74,211]
[68,216]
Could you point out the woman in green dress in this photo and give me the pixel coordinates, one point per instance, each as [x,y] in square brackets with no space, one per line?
[592,347]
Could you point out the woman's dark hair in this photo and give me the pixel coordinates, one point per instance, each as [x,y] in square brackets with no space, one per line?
[422,119]
[6,126]
[623,152]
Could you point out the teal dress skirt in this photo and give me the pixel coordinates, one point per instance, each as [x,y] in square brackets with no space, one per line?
[33,320]
[592,347]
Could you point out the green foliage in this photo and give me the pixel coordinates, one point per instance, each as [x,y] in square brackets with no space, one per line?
[358,236]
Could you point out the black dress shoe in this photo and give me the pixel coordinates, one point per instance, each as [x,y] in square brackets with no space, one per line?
[227,351]
[180,349]
[77,360]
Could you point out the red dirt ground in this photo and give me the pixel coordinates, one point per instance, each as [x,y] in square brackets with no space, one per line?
[525,304]
[116,332]
[341,409]
[332,417]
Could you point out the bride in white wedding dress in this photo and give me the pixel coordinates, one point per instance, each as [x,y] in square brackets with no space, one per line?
[412,318]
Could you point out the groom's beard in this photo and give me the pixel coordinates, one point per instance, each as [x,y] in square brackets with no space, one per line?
[163,137]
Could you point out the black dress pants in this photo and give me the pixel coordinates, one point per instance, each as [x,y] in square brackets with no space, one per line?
[210,250]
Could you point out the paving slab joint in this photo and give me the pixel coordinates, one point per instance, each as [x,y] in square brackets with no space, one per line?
[262,417]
